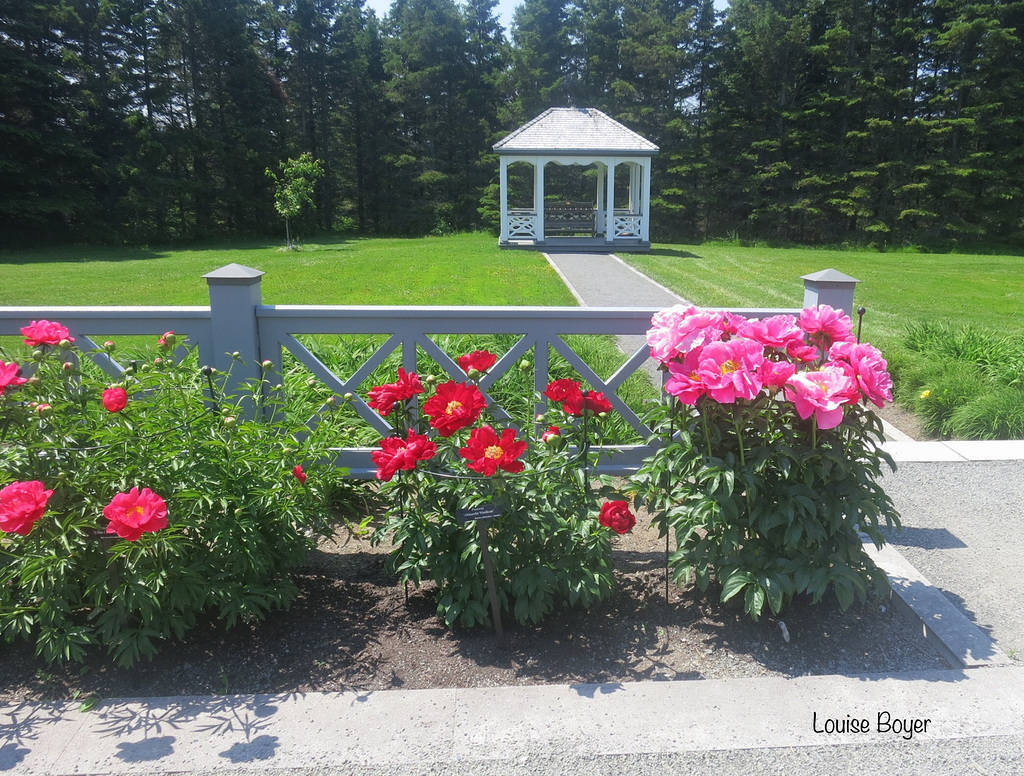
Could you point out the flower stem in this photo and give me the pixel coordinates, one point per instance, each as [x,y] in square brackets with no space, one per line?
[737,422]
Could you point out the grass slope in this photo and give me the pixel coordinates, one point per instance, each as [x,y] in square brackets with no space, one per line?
[896,288]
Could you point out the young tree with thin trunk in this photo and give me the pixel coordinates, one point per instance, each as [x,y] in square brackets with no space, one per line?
[293,189]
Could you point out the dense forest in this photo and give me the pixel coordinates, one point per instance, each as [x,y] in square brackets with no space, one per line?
[887,122]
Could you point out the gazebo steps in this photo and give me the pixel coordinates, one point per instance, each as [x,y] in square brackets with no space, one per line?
[579,244]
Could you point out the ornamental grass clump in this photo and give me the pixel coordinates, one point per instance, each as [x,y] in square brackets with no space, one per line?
[133,506]
[547,531]
[770,455]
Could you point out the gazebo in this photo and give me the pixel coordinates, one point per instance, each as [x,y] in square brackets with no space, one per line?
[583,136]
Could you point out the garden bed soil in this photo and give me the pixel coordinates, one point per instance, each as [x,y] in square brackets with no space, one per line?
[353,628]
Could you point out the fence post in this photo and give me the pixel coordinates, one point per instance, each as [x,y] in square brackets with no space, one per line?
[234,296]
[830,287]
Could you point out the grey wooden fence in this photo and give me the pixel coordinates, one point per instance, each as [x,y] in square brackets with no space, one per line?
[237,322]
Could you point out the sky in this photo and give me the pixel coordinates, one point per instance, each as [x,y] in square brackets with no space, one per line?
[505,9]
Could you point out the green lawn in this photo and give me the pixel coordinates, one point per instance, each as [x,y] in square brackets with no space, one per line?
[896,288]
[469,269]
[466,269]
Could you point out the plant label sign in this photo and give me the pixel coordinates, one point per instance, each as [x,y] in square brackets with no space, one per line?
[481,512]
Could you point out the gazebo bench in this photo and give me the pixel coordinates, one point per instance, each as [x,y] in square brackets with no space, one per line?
[568,218]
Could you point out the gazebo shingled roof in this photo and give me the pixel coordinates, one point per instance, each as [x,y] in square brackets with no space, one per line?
[575,131]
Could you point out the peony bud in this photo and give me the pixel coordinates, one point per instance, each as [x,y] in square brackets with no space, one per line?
[236,355]
[65,343]
[230,421]
[552,437]
[157,361]
[524,366]
[430,379]
[68,366]
[267,364]
[44,410]
[37,355]
[332,400]
[109,346]
[473,374]
[348,396]
[311,382]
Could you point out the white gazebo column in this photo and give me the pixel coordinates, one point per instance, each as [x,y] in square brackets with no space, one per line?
[599,225]
[645,205]
[609,205]
[538,195]
[503,184]
[634,187]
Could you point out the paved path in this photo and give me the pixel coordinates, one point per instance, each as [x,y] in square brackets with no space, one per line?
[961,505]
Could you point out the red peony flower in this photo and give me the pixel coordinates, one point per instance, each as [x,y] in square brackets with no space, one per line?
[560,390]
[594,401]
[21,504]
[487,453]
[383,397]
[45,333]
[616,515]
[480,360]
[299,474]
[9,376]
[454,406]
[401,454]
[115,399]
[134,513]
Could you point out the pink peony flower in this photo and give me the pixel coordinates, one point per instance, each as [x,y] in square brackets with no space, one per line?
[134,513]
[869,369]
[775,374]
[822,394]
[825,321]
[802,353]
[45,333]
[686,383]
[115,399]
[777,331]
[21,505]
[9,376]
[730,370]
[663,336]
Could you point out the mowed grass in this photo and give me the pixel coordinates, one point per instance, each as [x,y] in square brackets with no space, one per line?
[896,288]
[465,269]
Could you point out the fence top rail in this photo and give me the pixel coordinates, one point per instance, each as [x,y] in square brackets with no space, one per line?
[107,320]
[455,312]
